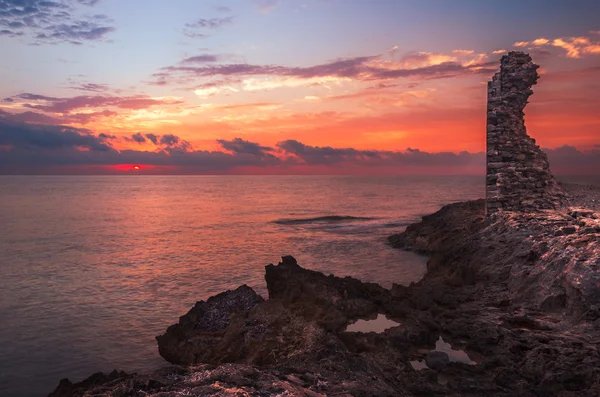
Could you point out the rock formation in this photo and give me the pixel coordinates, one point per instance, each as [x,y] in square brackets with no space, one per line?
[518,174]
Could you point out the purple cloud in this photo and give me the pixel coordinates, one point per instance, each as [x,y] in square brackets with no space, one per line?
[194,29]
[361,68]
[66,105]
[201,59]
[240,146]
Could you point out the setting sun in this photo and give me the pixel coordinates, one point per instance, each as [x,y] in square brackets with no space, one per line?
[136,167]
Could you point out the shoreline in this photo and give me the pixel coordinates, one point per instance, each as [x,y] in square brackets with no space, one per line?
[506,290]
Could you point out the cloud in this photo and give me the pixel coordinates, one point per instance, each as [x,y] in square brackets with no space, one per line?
[240,146]
[201,59]
[575,47]
[169,140]
[315,155]
[39,118]
[10,33]
[51,22]
[266,6]
[365,68]
[194,29]
[153,138]
[214,88]
[75,32]
[463,52]
[89,2]
[222,9]
[91,87]
[212,23]
[87,102]
[138,137]
[251,105]
[570,160]
[22,135]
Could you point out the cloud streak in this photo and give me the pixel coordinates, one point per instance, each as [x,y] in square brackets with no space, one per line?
[89,105]
[365,68]
[574,47]
[197,28]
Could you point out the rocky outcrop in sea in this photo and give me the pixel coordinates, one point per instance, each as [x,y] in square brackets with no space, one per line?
[510,306]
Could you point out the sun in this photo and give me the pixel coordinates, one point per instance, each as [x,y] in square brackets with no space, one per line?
[136,167]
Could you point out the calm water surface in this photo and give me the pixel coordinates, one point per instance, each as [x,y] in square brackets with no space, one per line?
[93,268]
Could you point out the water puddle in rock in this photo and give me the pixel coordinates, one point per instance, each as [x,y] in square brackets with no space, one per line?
[458,356]
[377,325]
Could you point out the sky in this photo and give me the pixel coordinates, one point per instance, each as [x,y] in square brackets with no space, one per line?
[287,86]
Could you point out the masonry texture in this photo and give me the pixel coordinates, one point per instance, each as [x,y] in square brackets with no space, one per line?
[518,173]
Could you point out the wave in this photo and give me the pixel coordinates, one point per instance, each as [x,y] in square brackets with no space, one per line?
[323,219]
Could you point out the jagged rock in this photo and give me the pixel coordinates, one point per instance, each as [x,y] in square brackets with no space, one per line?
[436,359]
[201,335]
[329,300]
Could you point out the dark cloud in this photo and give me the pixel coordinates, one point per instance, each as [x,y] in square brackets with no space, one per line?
[22,135]
[240,146]
[315,155]
[30,117]
[51,22]
[361,68]
[570,160]
[153,138]
[106,136]
[66,105]
[169,140]
[10,33]
[139,138]
[222,9]
[74,32]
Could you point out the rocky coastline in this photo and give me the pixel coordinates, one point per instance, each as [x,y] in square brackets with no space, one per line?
[509,306]
[519,293]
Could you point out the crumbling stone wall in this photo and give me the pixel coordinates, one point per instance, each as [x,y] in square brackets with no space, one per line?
[518,173]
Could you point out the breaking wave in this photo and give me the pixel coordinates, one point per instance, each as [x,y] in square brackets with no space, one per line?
[322,219]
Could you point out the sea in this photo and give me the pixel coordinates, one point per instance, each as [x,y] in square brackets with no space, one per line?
[92,268]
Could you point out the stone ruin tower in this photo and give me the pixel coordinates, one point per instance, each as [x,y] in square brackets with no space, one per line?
[518,175]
